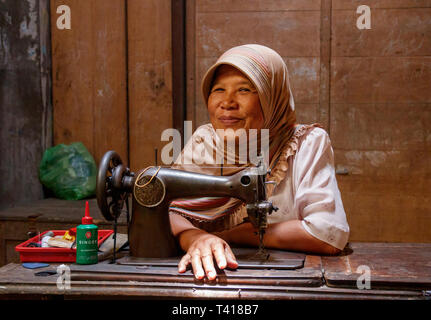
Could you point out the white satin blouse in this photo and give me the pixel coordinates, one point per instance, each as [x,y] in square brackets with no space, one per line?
[309,191]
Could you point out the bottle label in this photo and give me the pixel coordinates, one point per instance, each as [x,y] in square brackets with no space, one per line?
[86,246]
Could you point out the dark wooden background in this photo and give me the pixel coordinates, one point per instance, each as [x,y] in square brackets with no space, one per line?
[25,98]
[112,89]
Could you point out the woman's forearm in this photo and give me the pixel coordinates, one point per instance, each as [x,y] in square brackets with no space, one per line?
[287,235]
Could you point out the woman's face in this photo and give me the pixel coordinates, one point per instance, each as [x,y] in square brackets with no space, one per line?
[233,102]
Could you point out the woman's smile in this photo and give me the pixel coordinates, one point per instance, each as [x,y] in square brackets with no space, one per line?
[229,120]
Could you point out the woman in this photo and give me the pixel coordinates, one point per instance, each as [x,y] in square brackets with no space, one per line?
[248,88]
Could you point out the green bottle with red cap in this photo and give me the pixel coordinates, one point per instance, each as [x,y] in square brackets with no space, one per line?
[86,240]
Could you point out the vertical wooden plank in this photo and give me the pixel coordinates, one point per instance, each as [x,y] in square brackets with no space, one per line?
[353,4]
[325,63]
[72,71]
[45,69]
[178,64]
[2,244]
[110,86]
[24,98]
[150,78]
[89,76]
[191,61]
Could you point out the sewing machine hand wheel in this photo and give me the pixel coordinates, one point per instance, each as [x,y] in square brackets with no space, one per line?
[110,190]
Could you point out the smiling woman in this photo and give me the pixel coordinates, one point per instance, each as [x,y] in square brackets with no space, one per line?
[248,89]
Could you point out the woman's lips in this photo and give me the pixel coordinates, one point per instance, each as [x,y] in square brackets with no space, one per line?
[229,120]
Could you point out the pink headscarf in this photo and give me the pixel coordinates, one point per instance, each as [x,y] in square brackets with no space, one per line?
[268,72]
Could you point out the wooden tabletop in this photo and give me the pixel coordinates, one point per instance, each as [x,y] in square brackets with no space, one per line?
[362,271]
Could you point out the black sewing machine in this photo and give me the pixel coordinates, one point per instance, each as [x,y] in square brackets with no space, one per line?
[154,188]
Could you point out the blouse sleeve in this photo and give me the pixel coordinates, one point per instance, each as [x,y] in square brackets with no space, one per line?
[317,199]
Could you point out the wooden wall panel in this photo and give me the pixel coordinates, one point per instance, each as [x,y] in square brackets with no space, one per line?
[256,5]
[305,75]
[395,32]
[25,104]
[381,126]
[192,83]
[380,111]
[291,28]
[323,112]
[150,78]
[89,76]
[353,4]
[387,216]
[381,79]
[290,33]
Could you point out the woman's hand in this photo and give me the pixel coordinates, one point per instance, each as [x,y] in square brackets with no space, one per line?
[202,248]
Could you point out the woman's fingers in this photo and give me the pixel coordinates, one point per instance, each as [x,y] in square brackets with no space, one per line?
[219,255]
[230,258]
[208,264]
[201,256]
[197,265]
[184,262]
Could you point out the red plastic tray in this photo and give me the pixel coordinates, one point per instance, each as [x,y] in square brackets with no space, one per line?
[36,254]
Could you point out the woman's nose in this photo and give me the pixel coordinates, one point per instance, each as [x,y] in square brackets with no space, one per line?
[229,102]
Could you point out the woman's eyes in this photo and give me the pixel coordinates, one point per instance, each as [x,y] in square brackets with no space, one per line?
[242,89]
